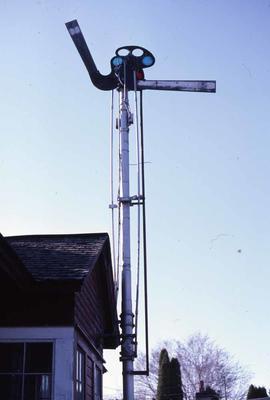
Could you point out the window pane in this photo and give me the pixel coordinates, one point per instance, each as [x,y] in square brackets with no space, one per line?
[77,365]
[10,387]
[37,387]
[11,357]
[80,365]
[38,357]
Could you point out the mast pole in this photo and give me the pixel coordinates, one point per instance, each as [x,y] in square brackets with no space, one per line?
[127,323]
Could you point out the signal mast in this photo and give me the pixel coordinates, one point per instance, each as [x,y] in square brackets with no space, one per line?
[127,74]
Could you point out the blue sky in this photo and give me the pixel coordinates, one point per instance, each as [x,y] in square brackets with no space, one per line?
[208,154]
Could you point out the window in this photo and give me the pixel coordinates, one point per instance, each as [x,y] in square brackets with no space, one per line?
[97,383]
[80,374]
[26,371]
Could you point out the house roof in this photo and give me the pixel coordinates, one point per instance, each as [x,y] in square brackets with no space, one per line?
[36,266]
[58,257]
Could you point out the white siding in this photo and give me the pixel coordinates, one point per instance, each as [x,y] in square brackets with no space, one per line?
[63,339]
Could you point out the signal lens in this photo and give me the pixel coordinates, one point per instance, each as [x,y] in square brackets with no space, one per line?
[137,52]
[140,75]
[116,61]
[148,61]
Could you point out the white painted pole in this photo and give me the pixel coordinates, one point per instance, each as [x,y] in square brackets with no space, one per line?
[127,323]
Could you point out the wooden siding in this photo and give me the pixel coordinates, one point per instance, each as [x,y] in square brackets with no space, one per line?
[93,360]
[90,307]
[12,271]
[89,378]
[35,309]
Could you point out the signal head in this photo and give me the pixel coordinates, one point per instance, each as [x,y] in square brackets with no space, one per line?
[135,57]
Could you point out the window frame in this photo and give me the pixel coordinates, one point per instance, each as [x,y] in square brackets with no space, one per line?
[24,374]
[80,373]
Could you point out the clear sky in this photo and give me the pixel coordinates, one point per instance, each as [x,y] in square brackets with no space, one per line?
[208,160]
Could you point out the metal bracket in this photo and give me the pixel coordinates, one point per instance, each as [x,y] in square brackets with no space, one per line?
[133,200]
[140,373]
[125,200]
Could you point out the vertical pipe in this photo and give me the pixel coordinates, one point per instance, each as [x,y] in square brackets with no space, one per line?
[127,346]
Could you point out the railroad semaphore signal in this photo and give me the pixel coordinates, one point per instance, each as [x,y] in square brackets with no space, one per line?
[127,74]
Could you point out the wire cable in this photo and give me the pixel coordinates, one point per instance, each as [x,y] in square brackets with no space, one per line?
[119,211]
[112,205]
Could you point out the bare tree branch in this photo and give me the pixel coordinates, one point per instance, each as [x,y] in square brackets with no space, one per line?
[200,359]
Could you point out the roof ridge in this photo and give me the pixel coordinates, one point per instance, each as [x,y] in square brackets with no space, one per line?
[54,235]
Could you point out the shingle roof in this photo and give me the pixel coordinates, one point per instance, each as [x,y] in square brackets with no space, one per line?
[58,257]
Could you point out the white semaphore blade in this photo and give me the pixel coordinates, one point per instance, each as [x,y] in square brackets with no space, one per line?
[182,86]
